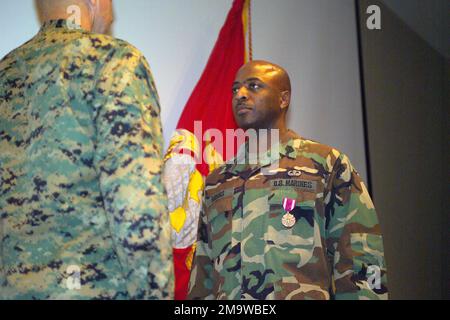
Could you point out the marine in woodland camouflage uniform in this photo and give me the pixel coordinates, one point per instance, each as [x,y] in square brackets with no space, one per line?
[335,248]
[82,207]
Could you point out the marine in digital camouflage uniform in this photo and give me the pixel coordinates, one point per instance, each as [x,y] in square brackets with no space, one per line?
[244,251]
[83,210]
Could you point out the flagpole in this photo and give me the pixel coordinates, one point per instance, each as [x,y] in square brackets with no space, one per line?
[250,39]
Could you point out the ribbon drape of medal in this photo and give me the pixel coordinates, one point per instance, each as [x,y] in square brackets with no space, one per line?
[288,204]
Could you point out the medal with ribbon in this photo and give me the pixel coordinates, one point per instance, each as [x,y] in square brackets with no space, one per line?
[288,219]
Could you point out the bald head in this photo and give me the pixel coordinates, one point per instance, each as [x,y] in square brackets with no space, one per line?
[277,74]
[94,15]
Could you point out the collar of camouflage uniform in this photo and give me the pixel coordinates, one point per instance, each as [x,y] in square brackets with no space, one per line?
[238,164]
[62,24]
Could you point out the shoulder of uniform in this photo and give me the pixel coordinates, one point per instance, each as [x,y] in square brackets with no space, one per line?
[12,55]
[128,48]
[328,153]
[9,55]
[215,176]
[113,47]
[6,60]
[317,147]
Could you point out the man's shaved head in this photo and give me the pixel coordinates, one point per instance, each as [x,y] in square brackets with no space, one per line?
[277,73]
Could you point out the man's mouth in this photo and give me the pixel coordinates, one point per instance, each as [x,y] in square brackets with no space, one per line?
[243,109]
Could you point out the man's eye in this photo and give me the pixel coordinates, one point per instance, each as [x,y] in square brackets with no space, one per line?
[254,86]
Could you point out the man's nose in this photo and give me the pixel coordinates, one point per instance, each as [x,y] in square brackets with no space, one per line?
[242,94]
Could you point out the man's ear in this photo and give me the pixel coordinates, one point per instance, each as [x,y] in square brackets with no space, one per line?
[92,4]
[92,7]
[285,99]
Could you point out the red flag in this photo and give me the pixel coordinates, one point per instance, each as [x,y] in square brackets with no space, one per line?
[210,103]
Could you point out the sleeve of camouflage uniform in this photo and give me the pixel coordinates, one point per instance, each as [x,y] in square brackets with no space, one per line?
[354,242]
[129,161]
[200,286]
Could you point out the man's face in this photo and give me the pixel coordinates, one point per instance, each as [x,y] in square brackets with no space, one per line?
[256,97]
[103,16]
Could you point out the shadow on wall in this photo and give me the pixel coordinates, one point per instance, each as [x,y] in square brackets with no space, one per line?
[406,84]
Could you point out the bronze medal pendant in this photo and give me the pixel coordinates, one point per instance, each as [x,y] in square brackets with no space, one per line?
[288,219]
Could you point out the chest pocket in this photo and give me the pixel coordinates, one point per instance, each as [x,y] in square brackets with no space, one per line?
[301,235]
[219,211]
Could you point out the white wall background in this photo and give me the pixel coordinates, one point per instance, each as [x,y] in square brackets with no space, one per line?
[315,40]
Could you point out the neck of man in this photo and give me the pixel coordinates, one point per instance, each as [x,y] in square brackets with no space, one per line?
[277,132]
[60,14]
